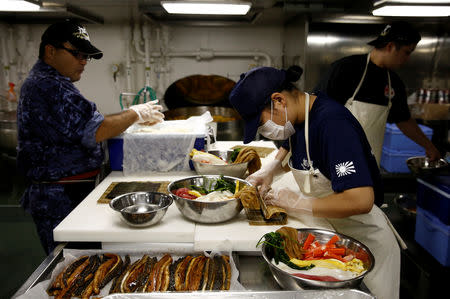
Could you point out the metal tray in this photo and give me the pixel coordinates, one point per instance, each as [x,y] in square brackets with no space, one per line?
[254,275]
[306,294]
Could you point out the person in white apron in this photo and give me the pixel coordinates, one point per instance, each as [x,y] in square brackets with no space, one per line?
[378,95]
[345,195]
[372,117]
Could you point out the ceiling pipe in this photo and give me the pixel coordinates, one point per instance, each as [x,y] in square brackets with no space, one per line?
[206,54]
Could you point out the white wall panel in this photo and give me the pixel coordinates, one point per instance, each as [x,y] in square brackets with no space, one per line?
[97,82]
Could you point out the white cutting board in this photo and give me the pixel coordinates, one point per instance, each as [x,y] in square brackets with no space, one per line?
[91,221]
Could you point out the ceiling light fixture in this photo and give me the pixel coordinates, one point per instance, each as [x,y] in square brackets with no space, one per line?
[412,8]
[20,5]
[207,7]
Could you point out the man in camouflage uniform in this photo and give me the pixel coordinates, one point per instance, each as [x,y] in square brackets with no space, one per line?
[60,131]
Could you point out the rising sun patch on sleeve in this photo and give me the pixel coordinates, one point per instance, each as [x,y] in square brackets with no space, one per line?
[345,168]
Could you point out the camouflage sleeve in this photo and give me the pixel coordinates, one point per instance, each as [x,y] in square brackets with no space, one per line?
[88,139]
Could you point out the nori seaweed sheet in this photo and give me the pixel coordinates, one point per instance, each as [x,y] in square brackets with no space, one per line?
[127,187]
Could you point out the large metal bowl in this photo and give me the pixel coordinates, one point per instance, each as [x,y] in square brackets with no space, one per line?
[290,282]
[206,212]
[235,170]
[422,166]
[141,209]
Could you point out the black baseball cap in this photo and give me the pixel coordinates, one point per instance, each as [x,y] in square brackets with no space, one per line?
[72,32]
[400,31]
[252,93]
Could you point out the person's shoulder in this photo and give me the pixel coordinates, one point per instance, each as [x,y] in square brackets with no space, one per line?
[334,114]
[352,59]
[329,110]
[329,105]
[44,82]
[347,65]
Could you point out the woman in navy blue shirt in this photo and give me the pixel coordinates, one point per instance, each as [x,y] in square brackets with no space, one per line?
[331,160]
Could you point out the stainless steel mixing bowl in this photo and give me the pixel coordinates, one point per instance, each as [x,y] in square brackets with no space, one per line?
[291,282]
[206,212]
[422,166]
[141,209]
[235,170]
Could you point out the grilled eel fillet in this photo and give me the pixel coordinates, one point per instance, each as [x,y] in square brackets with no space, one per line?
[79,278]
[251,156]
[159,277]
[60,281]
[110,266]
[291,244]
[115,287]
[88,274]
[202,273]
[137,275]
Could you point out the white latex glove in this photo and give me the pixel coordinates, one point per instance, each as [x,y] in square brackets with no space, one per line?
[292,202]
[263,178]
[148,112]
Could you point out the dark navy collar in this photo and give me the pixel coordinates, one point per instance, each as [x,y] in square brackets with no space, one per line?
[42,69]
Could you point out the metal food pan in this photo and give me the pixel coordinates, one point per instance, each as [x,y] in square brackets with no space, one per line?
[36,285]
[305,294]
[253,275]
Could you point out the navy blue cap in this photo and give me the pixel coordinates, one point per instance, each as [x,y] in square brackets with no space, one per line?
[72,32]
[252,93]
[399,31]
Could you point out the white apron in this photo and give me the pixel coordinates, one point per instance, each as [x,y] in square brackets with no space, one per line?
[371,229]
[372,117]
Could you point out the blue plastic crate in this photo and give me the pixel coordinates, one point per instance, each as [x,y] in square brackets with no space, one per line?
[433,236]
[433,195]
[395,161]
[394,139]
[115,149]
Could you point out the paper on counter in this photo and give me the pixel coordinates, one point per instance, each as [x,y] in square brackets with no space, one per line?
[192,125]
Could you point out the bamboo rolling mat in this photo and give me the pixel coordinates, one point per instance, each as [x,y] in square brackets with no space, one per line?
[256,217]
[119,188]
[257,211]
[261,151]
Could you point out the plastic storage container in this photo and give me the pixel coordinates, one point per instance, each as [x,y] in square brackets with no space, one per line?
[394,139]
[395,161]
[115,148]
[433,195]
[433,235]
[163,147]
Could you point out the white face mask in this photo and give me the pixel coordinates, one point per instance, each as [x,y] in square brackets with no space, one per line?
[273,131]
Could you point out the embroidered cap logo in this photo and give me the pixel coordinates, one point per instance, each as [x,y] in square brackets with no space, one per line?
[385,30]
[81,34]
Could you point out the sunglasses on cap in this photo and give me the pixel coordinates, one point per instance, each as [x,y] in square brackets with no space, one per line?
[77,54]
